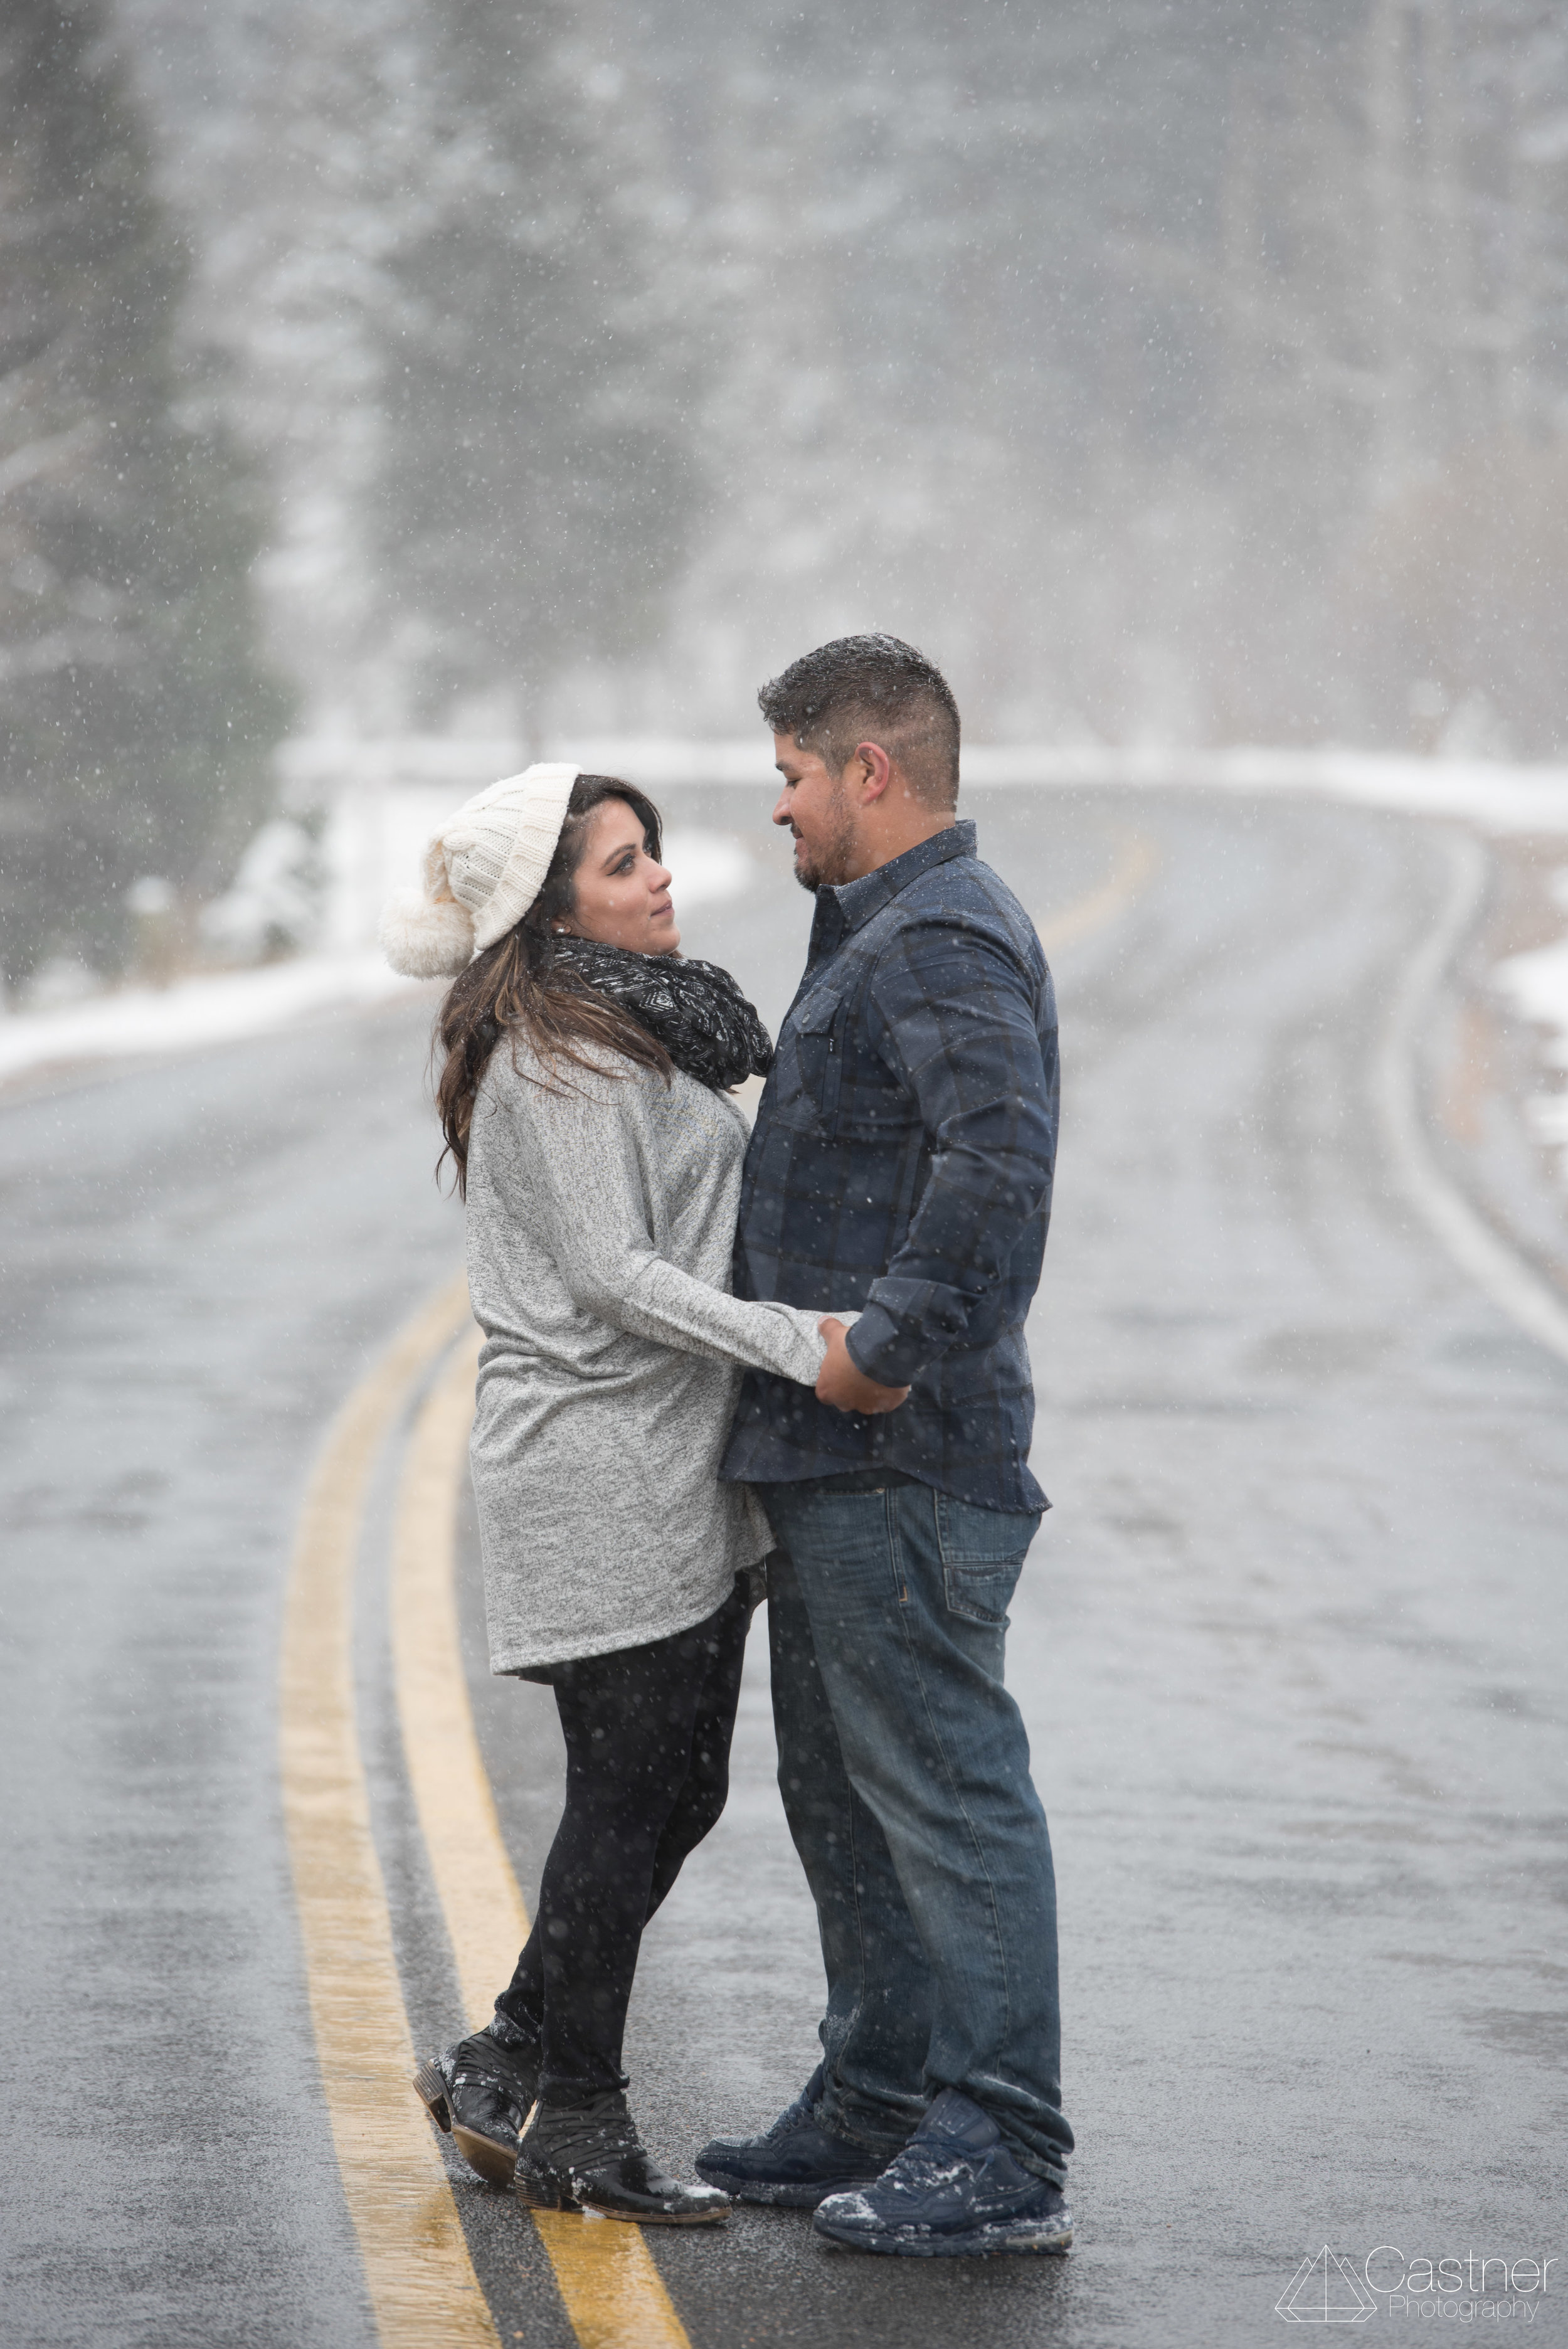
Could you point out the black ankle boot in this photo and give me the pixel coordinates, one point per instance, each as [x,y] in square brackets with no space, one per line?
[588,2157]
[480,2093]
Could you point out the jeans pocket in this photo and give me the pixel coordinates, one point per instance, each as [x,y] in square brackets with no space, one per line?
[983,1552]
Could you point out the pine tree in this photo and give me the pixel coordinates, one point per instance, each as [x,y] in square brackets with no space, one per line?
[534,487]
[136,715]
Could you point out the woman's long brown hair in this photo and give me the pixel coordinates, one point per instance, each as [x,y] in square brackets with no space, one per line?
[515,986]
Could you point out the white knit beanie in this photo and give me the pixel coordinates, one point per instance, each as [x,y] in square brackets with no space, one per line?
[482,872]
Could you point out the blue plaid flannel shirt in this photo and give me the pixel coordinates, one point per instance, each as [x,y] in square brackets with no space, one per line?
[902,1161]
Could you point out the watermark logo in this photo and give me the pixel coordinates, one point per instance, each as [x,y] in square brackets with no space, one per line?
[1325,2289]
[1466,2287]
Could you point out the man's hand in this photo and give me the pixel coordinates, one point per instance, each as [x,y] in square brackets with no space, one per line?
[845,1387]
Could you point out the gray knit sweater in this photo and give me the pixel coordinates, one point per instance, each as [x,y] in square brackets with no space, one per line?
[600,1226]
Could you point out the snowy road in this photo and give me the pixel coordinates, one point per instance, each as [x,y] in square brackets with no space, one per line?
[1290,1647]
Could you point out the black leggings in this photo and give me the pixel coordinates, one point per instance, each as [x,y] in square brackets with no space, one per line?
[647,1736]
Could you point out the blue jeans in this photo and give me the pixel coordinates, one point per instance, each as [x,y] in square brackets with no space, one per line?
[904,1769]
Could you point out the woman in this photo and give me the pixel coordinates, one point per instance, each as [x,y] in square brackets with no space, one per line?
[583,1098]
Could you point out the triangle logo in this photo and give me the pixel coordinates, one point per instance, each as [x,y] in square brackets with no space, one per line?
[1325,2289]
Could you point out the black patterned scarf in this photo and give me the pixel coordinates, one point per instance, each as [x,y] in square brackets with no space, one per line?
[695,1009]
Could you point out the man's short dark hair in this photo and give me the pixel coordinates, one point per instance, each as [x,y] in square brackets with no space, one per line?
[871,689]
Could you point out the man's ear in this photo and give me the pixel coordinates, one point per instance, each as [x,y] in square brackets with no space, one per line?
[871,772]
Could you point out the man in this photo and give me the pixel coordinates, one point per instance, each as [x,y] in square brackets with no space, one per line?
[902,1161]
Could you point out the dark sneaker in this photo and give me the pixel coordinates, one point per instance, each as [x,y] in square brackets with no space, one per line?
[480,2093]
[794,2165]
[588,2157]
[954,2192]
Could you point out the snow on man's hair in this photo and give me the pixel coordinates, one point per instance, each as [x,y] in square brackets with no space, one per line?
[870,689]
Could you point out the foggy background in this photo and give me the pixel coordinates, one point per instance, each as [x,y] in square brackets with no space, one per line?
[1189,375]
[394,391]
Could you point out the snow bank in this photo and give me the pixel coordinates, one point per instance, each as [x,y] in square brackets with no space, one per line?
[1536,984]
[383,800]
[433,772]
[1492,797]
[134,1021]
[222,1007]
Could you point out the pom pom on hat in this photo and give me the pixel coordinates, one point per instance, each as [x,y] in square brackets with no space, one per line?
[426,937]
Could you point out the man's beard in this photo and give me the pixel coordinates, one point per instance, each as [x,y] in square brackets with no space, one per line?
[828,864]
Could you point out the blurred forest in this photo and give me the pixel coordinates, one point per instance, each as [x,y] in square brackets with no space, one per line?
[135,712]
[1191,373]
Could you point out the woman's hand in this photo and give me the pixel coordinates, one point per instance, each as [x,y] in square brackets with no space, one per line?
[839,1381]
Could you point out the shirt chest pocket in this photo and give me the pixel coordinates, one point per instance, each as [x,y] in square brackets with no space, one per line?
[820,1051]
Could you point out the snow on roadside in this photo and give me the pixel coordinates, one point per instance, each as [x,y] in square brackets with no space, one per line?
[1536,984]
[429,773]
[383,801]
[222,1007]
[215,1009]
[1492,797]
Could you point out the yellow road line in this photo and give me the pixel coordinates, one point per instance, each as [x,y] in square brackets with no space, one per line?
[1137,858]
[420,2280]
[477,1891]
[614,2295]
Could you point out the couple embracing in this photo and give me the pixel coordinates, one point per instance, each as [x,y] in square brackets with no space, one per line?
[712,1362]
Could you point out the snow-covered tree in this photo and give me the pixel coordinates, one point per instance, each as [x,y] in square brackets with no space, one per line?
[534,488]
[135,716]
[1146,361]
[1393,377]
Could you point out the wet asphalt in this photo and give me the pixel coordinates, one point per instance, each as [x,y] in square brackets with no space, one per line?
[1289,1645]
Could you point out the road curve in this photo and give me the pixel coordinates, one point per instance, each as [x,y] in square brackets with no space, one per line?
[1289,1647]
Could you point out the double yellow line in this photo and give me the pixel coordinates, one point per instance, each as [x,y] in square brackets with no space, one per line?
[418,2271]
